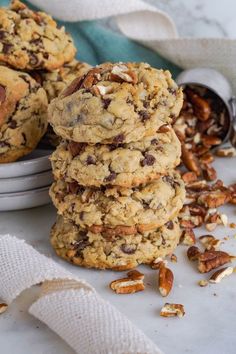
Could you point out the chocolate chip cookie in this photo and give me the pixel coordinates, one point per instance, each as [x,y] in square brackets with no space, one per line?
[124,165]
[23,114]
[84,248]
[120,210]
[31,40]
[56,81]
[115,104]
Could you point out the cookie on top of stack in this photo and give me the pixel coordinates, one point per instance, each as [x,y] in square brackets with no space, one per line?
[30,41]
[116,190]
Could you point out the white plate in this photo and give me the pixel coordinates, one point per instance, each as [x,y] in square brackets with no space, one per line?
[37,161]
[25,183]
[24,200]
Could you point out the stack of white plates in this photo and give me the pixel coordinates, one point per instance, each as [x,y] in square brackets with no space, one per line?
[25,183]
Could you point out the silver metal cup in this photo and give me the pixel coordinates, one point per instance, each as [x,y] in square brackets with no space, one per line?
[217,83]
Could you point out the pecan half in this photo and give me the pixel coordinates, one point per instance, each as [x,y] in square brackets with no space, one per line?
[190,161]
[166,279]
[127,285]
[211,260]
[201,107]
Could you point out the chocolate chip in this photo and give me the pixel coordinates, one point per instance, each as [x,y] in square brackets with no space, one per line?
[111,177]
[154,141]
[128,248]
[170,225]
[76,148]
[144,115]
[170,180]
[106,102]
[129,101]
[2,34]
[163,240]
[172,91]
[6,48]
[4,144]
[45,55]
[91,160]
[24,138]
[81,215]
[73,87]
[146,104]
[12,124]
[37,76]
[2,94]
[37,41]
[33,60]
[148,160]
[118,139]
[74,187]
[81,243]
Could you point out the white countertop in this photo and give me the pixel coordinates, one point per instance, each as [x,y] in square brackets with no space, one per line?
[207,328]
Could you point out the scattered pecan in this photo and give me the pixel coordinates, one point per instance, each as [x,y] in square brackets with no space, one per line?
[214,199]
[190,161]
[193,253]
[132,284]
[211,226]
[220,274]
[188,237]
[173,258]
[225,152]
[210,140]
[172,310]
[156,264]
[209,172]
[189,177]
[210,242]
[203,283]
[3,307]
[211,260]
[206,158]
[166,279]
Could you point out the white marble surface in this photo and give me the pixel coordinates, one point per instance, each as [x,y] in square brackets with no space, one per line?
[207,328]
[201,18]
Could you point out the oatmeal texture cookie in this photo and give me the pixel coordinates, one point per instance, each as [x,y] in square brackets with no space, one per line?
[116,103]
[120,210]
[30,40]
[125,165]
[23,114]
[53,83]
[84,248]
[56,81]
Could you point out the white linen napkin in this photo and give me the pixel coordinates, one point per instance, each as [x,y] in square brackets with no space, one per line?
[68,305]
[153,28]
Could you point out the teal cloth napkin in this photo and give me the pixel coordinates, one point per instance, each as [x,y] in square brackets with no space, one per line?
[96,44]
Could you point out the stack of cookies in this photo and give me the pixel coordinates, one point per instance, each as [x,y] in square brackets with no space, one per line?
[36,63]
[116,190]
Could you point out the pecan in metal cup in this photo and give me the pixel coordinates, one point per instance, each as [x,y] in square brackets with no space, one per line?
[212,100]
